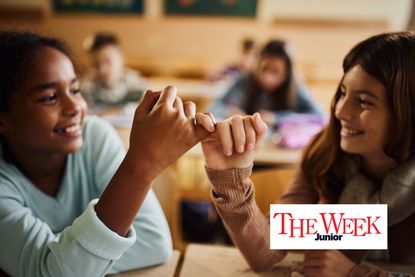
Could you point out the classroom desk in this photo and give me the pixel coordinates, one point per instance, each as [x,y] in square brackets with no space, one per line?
[269,154]
[165,270]
[217,261]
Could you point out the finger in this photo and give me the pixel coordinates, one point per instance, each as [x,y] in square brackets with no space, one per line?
[238,133]
[224,130]
[211,116]
[178,105]
[260,128]
[205,121]
[147,102]
[167,96]
[250,133]
[313,272]
[189,109]
[314,254]
[312,262]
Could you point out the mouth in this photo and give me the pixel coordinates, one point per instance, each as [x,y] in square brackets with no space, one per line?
[72,131]
[349,132]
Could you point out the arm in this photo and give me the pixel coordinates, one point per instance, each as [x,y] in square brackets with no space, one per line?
[30,248]
[153,242]
[229,154]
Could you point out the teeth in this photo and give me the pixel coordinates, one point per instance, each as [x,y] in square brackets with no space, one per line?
[71,129]
[350,131]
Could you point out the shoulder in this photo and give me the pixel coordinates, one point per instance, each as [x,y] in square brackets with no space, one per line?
[99,135]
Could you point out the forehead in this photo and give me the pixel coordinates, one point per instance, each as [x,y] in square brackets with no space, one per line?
[107,51]
[358,79]
[51,63]
[272,61]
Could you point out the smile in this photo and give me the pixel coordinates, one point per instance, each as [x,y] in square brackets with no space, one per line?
[350,132]
[74,130]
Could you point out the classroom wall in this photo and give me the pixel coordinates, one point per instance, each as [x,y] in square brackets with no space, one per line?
[171,45]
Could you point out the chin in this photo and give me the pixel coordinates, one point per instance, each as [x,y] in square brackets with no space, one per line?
[73,147]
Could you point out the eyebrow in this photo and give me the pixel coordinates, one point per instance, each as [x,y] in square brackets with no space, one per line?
[44,86]
[362,91]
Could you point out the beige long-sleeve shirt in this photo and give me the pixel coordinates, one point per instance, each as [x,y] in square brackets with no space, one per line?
[234,197]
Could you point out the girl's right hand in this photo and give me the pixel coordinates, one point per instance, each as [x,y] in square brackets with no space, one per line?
[162,131]
[234,142]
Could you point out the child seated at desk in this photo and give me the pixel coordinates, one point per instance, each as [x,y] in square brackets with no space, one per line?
[72,202]
[365,155]
[270,89]
[111,83]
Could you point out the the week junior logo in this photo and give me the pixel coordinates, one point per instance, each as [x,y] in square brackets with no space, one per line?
[337,226]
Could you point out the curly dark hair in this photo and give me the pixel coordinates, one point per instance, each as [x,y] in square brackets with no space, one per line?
[18,50]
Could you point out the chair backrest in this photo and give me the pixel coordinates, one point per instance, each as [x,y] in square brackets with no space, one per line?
[164,187]
[270,184]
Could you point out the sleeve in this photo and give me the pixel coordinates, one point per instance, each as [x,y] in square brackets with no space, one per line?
[234,96]
[153,244]
[233,194]
[30,248]
[234,197]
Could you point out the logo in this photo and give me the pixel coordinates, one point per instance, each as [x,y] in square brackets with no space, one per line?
[328,226]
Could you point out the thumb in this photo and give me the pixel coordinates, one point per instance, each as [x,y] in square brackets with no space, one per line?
[200,133]
[147,103]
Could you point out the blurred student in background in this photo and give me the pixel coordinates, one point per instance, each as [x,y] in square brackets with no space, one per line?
[110,83]
[270,89]
[245,63]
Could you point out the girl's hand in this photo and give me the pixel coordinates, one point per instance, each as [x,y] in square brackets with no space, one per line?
[330,263]
[234,142]
[163,130]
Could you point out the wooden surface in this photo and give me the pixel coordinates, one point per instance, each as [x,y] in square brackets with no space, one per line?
[217,261]
[165,270]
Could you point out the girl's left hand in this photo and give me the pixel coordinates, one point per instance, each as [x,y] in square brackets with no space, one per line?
[330,263]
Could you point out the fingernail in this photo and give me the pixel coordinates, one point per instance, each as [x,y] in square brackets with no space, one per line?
[228,153]
[240,148]
[250,146]
[211,128]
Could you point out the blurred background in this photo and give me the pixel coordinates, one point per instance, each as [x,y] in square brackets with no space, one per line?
[187,43]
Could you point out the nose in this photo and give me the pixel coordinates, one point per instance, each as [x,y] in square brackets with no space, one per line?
[344,109]
[72,106]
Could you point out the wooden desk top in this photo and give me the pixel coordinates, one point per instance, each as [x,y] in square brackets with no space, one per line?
[165,270]
[211,260]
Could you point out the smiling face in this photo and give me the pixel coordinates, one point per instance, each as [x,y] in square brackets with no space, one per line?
[47,111]
[364,114]
[271,72]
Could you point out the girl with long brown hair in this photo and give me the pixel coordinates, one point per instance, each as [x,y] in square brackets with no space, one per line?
[365,155]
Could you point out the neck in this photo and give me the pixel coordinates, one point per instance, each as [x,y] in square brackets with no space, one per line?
[43,170]
[377,167]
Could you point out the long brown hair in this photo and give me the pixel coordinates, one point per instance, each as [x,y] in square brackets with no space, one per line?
[284,96]
[389,58]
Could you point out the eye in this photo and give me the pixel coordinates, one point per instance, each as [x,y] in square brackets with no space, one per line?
[75,91]
[50,98]
[364,103]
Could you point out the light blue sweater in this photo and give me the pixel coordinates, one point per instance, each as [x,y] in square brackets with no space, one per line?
[62,236]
